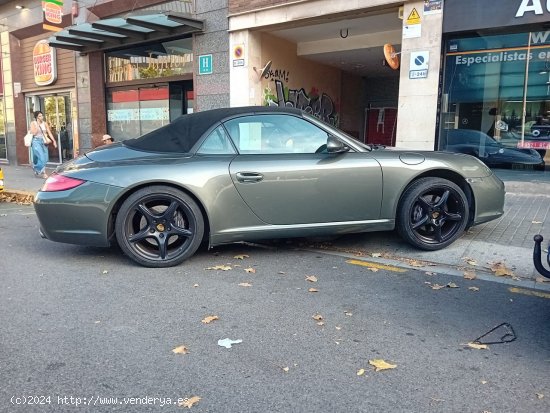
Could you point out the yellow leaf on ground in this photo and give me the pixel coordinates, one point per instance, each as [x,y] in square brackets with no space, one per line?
[189,402]
[317,317]
[245,285]
[219,267]
[470,275]
[180,350]
[501,270]
[313,290]
[241,256]
[470,261]
[250,270]
[311,278]
[478,346]
[415,263]
[360,372]
[209,319]
[380,364]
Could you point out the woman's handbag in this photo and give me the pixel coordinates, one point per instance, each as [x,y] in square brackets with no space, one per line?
[28,139]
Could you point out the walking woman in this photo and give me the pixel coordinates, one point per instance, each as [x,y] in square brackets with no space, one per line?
[42,136]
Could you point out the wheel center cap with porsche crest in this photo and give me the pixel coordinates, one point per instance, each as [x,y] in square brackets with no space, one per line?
[435,215]
[160,227]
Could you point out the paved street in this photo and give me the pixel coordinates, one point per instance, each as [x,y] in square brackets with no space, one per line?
[87,323]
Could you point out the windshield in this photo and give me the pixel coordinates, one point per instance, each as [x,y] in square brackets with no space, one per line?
[337,132]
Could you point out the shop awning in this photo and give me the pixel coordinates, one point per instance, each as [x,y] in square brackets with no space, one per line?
[125,31]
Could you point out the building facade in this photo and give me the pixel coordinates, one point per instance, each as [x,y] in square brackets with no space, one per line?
[122,67]
[424,74]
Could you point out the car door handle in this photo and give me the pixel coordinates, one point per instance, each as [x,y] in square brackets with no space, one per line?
[249,177]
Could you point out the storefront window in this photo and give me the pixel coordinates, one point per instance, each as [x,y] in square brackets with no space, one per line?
[3,143]
[134,112]
[496,98]
[155,61]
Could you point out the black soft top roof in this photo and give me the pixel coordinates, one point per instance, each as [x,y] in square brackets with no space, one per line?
[182,134]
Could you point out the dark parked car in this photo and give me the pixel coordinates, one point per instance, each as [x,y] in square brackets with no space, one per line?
[250,173]
[490,151]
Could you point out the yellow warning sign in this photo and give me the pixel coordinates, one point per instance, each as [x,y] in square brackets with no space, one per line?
[414,17]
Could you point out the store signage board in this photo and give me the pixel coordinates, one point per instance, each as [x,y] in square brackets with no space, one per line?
[44,63]
[205,64]
[52,11]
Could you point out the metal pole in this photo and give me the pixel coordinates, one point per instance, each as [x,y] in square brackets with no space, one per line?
[525,91]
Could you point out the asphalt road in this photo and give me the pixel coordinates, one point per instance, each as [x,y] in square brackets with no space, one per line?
[87,327]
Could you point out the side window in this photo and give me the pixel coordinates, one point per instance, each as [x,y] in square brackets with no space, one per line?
[217,143]
[275,134]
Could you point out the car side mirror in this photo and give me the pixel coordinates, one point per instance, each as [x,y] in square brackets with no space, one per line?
[335,145]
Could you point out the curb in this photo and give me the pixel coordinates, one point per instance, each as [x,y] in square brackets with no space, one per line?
[441,269]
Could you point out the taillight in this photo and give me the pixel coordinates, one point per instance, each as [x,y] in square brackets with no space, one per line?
[58,182]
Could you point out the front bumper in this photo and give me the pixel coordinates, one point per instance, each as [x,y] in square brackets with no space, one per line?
[489,196]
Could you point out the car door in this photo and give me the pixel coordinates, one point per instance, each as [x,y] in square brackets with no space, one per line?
[285,177]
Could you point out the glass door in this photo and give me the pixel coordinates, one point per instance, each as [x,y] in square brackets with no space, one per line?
[57,114]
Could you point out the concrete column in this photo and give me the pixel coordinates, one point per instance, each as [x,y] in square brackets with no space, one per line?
[246,88]
[418,98]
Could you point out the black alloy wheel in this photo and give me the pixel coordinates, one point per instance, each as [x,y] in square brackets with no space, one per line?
[432,213]
[159,226]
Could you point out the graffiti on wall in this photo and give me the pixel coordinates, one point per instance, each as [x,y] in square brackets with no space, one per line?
[320,106]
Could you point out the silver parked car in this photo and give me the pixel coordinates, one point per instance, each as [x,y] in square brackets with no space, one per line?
[250,173]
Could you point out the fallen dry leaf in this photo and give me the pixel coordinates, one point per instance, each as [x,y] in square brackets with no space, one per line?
[180,350]
[483,381]
[195,285]
[360,372]
[473,288]
[321,323]
[415,263]
[313,290]
[478,346]
[540,396]
[376,255]
[209,319]
[452,285]
[245,285]
[286,369]
[380,364]
[500,269]
[219,267]
[542,280]
[470,275]
[250,270]
[317,317]
[311,278]
[281,272]
[241,256]
[470,261]
[348,313]
[373,269]
[189,402]
[430,273]
[105,272]
[437,286]
[536,222]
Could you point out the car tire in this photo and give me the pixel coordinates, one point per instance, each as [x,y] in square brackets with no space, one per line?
[159,226]
[432,213]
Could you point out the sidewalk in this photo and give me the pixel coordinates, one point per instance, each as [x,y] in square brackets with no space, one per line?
[508,240]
